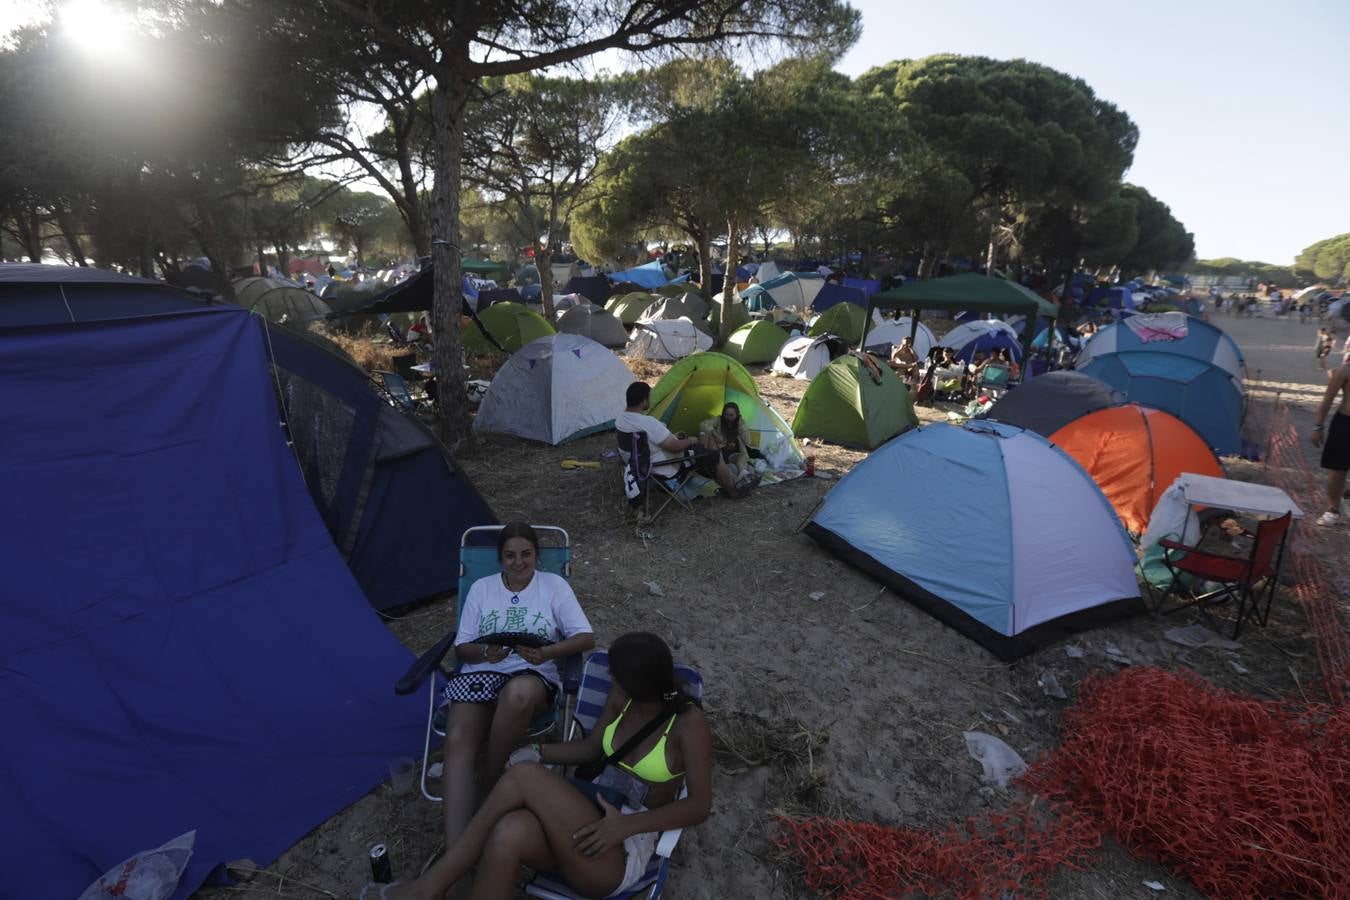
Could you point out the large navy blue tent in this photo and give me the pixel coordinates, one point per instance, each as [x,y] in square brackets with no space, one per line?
[831,294]
[595,288]
[394,500]
[181,645]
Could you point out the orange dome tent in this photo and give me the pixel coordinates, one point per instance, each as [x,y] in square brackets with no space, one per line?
[1134,453]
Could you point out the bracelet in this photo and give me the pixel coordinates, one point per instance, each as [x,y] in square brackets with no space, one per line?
[485,653]
[1318,426]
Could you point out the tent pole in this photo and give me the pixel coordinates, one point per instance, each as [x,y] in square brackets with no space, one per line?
[1027,335]
[1050,342]
[913,326]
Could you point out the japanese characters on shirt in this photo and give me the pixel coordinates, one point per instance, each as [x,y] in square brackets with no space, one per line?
[546,608]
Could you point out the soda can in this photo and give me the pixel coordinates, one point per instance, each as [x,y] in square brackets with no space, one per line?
[381,869]
[810,466]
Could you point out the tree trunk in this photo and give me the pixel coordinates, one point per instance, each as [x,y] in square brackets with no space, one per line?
[705,263]
[72,237]
[208,240]
[283,259]
[544,260]
[29,226]
[729,282]
[451,93]
[262,260]
[411,205]
[993,253]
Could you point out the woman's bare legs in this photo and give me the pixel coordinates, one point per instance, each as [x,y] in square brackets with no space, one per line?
[521,699]
[502,835]
[466,726]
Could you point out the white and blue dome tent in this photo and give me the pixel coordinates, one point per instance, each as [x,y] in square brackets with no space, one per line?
[981,336]
[1041,551]
[887,336]
[791,290]
[1194,337]
[555,389]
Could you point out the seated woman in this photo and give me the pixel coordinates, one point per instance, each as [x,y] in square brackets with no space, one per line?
[513,626]
[726,434]
[599,835]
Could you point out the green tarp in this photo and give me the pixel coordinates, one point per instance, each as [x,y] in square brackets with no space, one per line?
[969,293]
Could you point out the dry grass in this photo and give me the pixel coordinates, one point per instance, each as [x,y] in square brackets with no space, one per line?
[368,354]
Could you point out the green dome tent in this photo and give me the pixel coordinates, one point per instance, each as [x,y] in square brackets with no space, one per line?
[738,315]
[698,386]
[756,343]
[512,324]
[630,307]
[844,319]
[855,404]
[672,290]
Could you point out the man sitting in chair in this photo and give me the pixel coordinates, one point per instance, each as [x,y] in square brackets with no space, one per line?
[905,362]
[670,452]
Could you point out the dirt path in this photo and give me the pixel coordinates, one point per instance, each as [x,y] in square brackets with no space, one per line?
[828,694]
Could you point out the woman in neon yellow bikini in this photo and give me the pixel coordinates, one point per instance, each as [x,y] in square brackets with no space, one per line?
[599,835]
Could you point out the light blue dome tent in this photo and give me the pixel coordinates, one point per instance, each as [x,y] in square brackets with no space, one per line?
[1042,553]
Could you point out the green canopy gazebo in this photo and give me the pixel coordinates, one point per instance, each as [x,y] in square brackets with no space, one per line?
[969,292]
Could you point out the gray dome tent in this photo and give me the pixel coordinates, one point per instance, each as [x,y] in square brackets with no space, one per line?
[594,322]
[291,305]
[687,306]
[248,290]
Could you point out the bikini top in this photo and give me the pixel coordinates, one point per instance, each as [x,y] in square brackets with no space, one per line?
[652,767]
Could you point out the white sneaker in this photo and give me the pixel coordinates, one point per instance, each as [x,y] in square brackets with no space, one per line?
[1329,518]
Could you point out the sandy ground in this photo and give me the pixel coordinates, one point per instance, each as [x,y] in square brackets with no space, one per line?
[878,691]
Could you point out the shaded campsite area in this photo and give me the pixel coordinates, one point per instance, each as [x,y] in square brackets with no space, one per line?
[828,694]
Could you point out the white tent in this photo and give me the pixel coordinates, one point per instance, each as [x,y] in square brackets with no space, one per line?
[766,271]
[804,357]
[893,331]
[555,389]
[666,339]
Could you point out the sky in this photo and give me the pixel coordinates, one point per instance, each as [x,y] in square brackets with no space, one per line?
[1241,106]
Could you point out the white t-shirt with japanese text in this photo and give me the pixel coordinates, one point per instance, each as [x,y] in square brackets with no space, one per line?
[655,429]
[546,607]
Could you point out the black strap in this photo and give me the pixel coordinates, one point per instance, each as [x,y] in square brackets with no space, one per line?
[590,771]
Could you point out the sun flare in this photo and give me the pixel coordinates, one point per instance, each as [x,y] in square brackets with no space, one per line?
[96,27]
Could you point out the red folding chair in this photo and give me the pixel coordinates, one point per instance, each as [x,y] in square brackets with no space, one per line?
[1251,581]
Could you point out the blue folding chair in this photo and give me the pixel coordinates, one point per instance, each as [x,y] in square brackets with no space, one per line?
[478,559]
[595,687]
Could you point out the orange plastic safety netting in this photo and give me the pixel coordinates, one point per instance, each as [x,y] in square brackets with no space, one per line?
[1245,798]
[985,856]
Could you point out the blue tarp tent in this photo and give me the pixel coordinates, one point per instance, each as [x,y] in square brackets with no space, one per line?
[649,276]
[1198,393]
[831,294]
[393,498]
[989,528]
[181,645]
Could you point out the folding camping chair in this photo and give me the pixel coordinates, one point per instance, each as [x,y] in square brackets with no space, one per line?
[994,381]
[396,389]
[669,476]
[595,687]
[1250,581]
[478,559]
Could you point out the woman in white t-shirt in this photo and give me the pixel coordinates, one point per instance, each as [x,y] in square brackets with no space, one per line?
[512,628]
